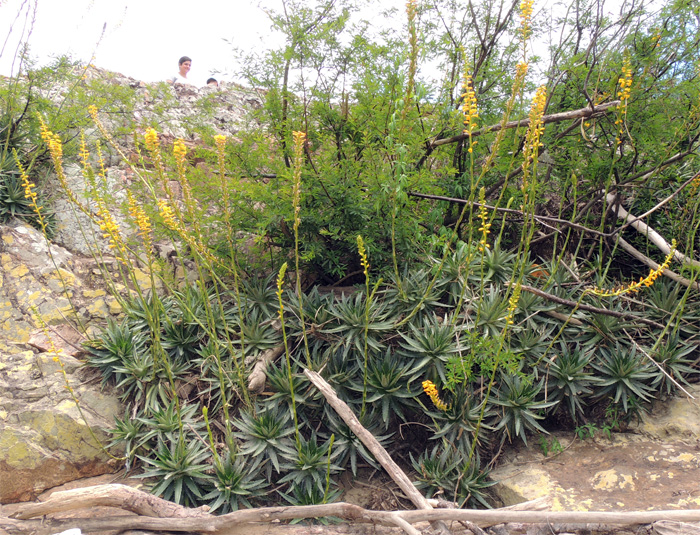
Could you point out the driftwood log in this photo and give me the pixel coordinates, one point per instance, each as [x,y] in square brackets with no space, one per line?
[149,515]
[394,471]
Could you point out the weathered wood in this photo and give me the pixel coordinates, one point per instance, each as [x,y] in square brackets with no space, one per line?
[200,521]
[208,523]
[653,236]
[257,377]
[586,112]
[109,495]
[394,471]
[665,527]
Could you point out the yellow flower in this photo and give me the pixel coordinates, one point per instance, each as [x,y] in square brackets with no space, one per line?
[364,261]
[167,214]
[485,227]
[513,304]
[643,281]
[220,141]
[625,89]
[431,391]
[469,108]
[526,18]
[534,133]
[151,137]
[179,150]
[142,222]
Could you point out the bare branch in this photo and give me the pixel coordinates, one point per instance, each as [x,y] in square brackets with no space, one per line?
[589,308]
[586,112]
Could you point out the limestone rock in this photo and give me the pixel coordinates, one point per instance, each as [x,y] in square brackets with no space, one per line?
[678,417]
[627,472]
[45,440]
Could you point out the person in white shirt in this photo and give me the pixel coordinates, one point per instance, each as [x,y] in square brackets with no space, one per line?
[185,64]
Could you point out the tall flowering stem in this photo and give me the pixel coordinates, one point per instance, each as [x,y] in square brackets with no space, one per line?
[364,260]
[513,304]
[153,146]
[290,378]
[180,153]
[143,223]
[525,29]
[29,192]
[485,227]
[623,93]
[298,165]
[53,141]
[413,43]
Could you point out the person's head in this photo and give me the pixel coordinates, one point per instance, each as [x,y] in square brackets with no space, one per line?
[212,82]
[184,63]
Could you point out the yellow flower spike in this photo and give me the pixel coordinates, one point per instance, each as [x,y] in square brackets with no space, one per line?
[431,391]
[151,138]
[643,281]
[526,18]
[469,107]
[364,260]
[534,134]
[83,151]
[153,146]
[280,284]
[143,223]
[513,304]
[56,152]
[180,151]
[623,93]
[29,192]
[166,212]
[485,227]
[220,141]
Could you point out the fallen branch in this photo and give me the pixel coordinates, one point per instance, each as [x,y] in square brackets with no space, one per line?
[589,308]
[257,377]
[109,495]
[653,236]
[371,443]
[586,112]
[654,265]
[206,523]
[200,521]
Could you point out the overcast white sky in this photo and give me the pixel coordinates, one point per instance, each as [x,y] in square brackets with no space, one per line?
[143,38]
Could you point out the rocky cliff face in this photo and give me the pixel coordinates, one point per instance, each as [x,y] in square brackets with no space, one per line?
[53,414]
[45,440]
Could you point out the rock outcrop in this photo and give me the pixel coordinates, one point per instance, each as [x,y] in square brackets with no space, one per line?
[654,466]
[46,438]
